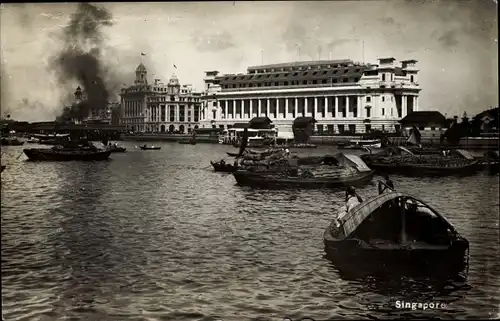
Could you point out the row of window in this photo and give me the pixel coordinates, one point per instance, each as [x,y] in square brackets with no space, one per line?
[253,71]
[293,83]
[172,98]
[295,74]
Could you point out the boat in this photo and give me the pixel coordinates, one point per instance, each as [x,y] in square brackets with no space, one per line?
[401,160]
[398,229]
[223,167]
[146,147]
[490,161]
[232,154]
[360,144]
[58,153]
[11,141]
[302,145]
[349,170]
[33,140]
[114,148]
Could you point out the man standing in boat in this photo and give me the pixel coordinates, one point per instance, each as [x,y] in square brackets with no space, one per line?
[385,185]
[352,198]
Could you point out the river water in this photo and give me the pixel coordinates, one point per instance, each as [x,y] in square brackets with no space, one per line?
[156,235]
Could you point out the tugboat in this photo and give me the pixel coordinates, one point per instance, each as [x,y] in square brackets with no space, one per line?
[395,229]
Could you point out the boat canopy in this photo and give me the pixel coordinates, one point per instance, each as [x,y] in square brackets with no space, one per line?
[465,154]
[353,161]
[350,221]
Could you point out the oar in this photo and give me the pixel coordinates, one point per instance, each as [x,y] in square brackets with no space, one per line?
[19,155]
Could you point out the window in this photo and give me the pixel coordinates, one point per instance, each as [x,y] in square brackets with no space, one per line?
[368,128]
[368,112]
[411,78]
[368,99]
[383,127]
[433,128]
[383,111]
[383,77]
[392,112]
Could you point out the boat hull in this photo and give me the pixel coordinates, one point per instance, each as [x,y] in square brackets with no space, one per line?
[36,154]
[118,150]
[350,254]
[226,168]
[246,178]
[149,148]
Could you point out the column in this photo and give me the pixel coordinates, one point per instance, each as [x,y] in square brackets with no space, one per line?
[251,108]
[306,109]
[186,108]
[234,108]
[176,112]
[242,109]
[337,107]
[403,106]
[268,107]
[278,108]
[360,108]
[259,110]
[415,102]
[226,108]
[296,107]
[286,107]
[326,108]
[347,106]
[315,107]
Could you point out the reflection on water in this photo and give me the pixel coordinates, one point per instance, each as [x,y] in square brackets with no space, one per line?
[156,235]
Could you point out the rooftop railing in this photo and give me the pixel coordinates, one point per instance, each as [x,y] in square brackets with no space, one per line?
[354,84]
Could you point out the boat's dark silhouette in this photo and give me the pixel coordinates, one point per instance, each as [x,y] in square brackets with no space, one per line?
[398,232]
[146,147]
[224,167]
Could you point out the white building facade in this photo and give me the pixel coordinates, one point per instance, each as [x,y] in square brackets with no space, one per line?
[159,108]
[341,95]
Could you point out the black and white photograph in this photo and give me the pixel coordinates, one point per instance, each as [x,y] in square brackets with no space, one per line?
[250,160]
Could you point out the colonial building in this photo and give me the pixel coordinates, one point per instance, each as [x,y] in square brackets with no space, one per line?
[341,95]
[159,107]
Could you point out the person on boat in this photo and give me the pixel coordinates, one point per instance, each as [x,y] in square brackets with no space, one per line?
[222,162]
[352,198]
[385,185]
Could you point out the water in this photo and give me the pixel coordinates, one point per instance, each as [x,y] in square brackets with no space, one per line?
[156,235]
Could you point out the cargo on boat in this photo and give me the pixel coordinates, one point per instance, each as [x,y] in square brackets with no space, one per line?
[346,170]
[402,160]
[398,229]
[114,148]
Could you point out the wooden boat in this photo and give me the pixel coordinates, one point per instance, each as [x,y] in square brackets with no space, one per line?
[117,149]
[360,144]
[145,147]
[405,162]
[66,154]
[11,141]
[227,168]
[302,145]
[490,161]
[232,154]
[350,170]
[395,228]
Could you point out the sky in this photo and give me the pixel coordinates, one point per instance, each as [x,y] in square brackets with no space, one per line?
[454,41]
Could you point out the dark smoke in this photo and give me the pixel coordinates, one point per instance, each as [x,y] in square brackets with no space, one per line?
[80,59]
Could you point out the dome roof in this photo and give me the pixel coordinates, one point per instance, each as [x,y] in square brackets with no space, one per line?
[141,67]
[174,81]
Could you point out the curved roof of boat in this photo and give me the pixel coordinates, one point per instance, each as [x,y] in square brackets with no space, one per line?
[352,219]
[352,160]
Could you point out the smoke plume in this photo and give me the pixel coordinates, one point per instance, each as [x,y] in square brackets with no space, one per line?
[81,59]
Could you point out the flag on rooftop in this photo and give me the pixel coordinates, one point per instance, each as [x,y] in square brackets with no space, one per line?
[143,54]
[175,66]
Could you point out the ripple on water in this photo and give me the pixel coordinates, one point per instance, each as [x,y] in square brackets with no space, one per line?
[157,236]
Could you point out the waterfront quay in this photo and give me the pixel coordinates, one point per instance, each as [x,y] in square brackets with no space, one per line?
[158,235]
